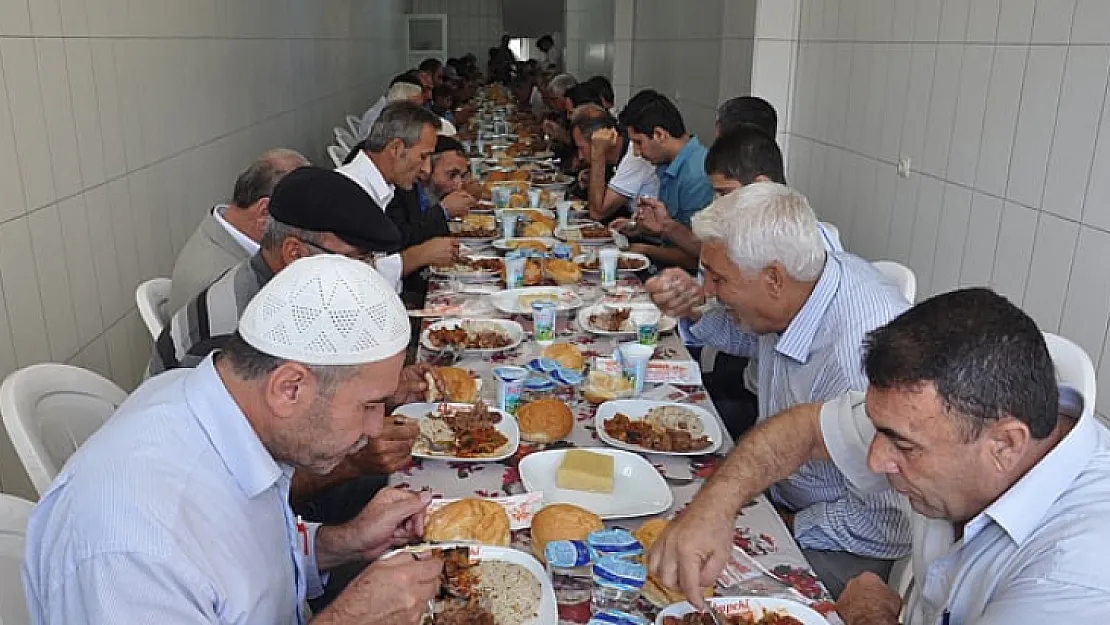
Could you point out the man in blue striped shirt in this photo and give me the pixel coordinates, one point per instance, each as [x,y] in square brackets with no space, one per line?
[801,313]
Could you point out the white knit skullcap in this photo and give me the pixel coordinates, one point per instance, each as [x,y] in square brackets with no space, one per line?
[326,310]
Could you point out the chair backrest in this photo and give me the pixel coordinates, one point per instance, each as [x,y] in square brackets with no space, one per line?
[344,138]
[337,154]
[1074,369]
[151,297]
[49,410]
[14,513]
[901,275]
[355,123]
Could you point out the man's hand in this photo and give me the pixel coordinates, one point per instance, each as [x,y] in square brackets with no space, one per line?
[676,293]
[390,452]
[440,251]
[652,216]
[584,178]
[394,517]
[474,188]
[393,591]
[413,384]
[867,600]
[625,226]
[552,129]
[604,139]
[458,203]
[693,549]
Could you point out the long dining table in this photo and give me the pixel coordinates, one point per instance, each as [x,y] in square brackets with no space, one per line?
[771,563]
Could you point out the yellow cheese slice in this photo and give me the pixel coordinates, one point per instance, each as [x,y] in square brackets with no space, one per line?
[586,471]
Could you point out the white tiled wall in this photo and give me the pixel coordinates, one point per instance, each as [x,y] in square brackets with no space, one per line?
[590,46]
[122,122]
[1001,105]
[472,25]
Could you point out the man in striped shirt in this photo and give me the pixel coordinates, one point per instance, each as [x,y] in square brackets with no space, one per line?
[801,313]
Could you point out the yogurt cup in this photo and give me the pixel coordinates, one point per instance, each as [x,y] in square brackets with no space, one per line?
[608,258]
[510,386]
[646,322]
[514,270]
[543,323]
[633,359]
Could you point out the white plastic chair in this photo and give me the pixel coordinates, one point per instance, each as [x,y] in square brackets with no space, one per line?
[344,138]
[49,410]
[355,124]
[151,297]
[1073,369]
[901,275]
[337,154]
[14,513]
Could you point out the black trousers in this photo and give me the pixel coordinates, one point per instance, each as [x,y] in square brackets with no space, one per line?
[738,407]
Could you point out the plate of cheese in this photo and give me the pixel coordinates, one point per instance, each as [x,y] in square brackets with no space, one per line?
[611,483]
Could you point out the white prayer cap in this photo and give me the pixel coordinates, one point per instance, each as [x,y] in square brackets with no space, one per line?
[326,310]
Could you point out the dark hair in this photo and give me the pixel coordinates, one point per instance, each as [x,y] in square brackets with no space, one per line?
[985,357]
[747,110]
[589,118]
[745,154]
[442,91]
[648,110]
[602,87]
[408,77]
[258,180]
[545,39]
[582,94]
[448,144]
[430,65]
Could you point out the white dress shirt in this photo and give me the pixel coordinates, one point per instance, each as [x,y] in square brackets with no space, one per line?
[248,244]
[363,171]
[1038,554]
[172,513]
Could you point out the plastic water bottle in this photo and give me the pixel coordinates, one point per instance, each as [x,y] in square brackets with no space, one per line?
[569,565]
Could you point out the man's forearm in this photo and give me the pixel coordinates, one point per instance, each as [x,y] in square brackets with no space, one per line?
[771,452]
[683,238]
[412,260]
[598,186]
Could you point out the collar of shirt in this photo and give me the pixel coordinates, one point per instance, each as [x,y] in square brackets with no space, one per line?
[1021,508]
[798,337]
[363,171]
[674,168]
[240,238]
[237,444]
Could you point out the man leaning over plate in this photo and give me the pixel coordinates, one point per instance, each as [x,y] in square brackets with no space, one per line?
[1008,476]
[177,509]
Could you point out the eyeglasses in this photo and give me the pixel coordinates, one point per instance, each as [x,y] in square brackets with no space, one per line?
[367,257]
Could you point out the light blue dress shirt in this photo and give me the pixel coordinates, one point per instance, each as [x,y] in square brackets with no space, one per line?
[1038,554]
[173,512]
[817,358]
[683,185]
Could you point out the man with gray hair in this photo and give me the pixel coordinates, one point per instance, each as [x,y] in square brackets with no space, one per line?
[387,165]
[177,510]
[801,313]
[230,233]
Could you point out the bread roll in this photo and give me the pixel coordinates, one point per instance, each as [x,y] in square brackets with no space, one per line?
[655,592]
[544,421]
[460,386]
[561,521]
[563,271]
[566,355]
[537,229]
[479,520]
[602,387]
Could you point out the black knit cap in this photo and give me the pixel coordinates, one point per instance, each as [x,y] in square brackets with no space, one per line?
[322,200]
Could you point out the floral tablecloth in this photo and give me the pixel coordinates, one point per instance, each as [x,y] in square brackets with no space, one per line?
[776,565]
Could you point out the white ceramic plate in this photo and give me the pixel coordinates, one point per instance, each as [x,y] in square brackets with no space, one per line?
[508,301]
[638,408]
[503,244]
[666,324]
[509,327]
[523,212]
[548,609]
[638,489]
[506,426]
[574,233]
[479,274]
[644,261]
[757,605]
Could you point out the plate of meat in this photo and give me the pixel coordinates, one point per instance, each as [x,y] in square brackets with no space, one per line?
[658,427]
[627,263]
[472,335]
[743,611]
[614,321]
[471,268]
[484,585]
[462,432]
[586,234]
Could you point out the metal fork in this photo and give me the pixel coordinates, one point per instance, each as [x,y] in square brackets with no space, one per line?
[716,618]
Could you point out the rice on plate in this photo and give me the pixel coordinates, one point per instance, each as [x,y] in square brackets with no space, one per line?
[675,418]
